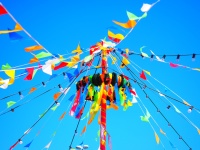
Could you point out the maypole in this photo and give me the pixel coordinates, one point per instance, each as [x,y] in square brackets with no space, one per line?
[103,102]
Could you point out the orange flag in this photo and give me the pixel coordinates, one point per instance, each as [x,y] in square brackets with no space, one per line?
[33,60]
[83,131]
[127,25]
[62,116]
[32,90]
[55,97]
[33,48]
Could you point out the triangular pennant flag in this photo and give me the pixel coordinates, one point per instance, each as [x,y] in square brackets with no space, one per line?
[33,48]
[76,72]
[143,16]
[134,99]
[176,109]
[157,138]
[125,62]
[173,65]
[61,65]
[133,92]
[186,103]
[132,16]
[147,72]
[28,145]
[15,36]
[75,58]
[32,90]
[11,74]
[115,37]
[161,131]
[30,73]
[53,76]
[42,55]
[5,84]
[62,116]
[55,96]
[71,97]
[87,115]
[88,58]
[198,131]
[5,67]
[127,25]
[54,108]
[77,50]
[70,76]
[197,69]
[172,145]
[2,10]
[54,134]
[107,44]
[147,7]
[10,103]
[142,75]
[33,60]
[14,145]
[83,131]
[47,69]
[48,145]
[144,118]
[18,27]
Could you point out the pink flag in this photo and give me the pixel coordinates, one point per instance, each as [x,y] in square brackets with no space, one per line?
[173,65]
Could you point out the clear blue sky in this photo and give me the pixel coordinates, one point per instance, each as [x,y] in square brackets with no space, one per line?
[171,27]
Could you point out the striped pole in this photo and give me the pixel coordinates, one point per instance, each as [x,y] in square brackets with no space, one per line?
[103,103]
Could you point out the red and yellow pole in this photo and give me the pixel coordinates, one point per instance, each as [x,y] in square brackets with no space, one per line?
[103,102]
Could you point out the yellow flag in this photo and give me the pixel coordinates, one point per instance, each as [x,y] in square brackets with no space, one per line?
[77,50]
[127,50]
[161,131]
[147,72]
[11,74]
[75,58]
[157,138]
[186,103]
[129,103]
[71,64]
[18,27]
[198,131]
[117,36]
[124,62]
[114,59]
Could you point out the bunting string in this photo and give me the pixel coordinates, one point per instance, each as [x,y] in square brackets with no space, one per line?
[133,74]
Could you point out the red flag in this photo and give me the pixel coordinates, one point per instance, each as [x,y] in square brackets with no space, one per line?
[2,10]
[30,73]
[142,75]
[13,146]
[61,65]
[133,92]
